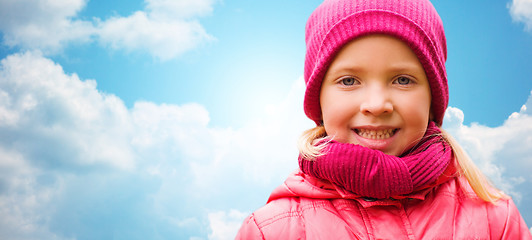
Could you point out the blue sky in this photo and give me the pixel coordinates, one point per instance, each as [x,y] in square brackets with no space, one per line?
[175,119]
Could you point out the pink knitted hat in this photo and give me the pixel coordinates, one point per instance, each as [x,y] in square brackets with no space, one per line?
[336,22]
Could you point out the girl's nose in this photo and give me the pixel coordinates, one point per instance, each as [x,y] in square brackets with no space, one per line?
[376,102]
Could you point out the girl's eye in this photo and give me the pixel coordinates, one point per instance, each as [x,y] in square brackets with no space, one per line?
[348,81]
[403,81]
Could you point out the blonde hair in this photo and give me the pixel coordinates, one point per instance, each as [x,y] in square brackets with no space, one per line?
[313,141]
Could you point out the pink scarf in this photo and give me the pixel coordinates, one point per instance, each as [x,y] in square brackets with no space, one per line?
[372,173]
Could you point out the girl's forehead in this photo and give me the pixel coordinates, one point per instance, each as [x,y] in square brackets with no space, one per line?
[357,54]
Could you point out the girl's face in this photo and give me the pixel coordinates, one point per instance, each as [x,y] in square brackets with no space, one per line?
[376,94]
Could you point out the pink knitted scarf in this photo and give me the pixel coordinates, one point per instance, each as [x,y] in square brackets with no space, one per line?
[372,173]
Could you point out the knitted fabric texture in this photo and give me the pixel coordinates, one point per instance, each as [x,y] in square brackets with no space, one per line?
[372,173]
[337,22]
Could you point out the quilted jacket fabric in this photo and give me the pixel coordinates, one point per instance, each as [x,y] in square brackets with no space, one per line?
[308,208]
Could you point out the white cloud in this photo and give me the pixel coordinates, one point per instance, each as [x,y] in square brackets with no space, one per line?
[52,108]
[521,11]
[24,207]
[165,29]
[47,25]
[504,153]
[84,155]
[225,225]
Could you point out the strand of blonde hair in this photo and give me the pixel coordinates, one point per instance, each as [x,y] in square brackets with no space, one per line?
[307,146]
[467,168]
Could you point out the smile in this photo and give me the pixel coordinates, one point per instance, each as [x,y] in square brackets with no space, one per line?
[376,134]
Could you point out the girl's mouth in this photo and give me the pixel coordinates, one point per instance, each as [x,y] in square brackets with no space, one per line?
[376,134]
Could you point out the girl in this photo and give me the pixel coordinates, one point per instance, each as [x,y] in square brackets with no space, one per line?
[378,166]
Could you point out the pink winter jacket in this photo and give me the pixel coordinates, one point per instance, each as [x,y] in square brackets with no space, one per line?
[308,208]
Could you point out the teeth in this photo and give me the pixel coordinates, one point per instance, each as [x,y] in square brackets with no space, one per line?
[375,134]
